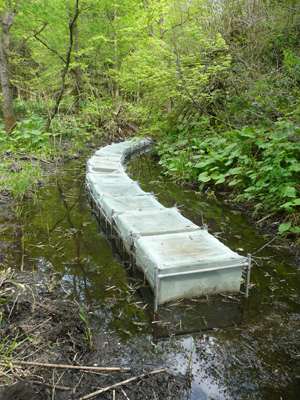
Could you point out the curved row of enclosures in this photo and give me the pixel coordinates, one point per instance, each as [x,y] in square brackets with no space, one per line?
[179,259]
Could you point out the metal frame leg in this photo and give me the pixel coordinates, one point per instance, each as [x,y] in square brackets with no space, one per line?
[156,290]
[248,276]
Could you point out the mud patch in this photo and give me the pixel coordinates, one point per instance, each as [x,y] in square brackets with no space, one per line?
[41,331]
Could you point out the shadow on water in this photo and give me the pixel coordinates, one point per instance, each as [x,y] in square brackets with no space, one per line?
[255,357]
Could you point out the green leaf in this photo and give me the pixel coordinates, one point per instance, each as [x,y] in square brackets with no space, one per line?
[236,153]
[284,227]
[256,209]
[289,191]
[221,180]
[296,229]
[295,167]
[204,177]
[234,182]
[250,189]
[234,171]
[203,164]
[183,142]
[36,132]
[287,205]
[245,133]
[229,162]
[215,175]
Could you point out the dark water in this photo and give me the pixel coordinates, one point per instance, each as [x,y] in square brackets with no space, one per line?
[243,351]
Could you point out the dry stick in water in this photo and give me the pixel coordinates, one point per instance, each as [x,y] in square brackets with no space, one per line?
[88,396]
[37,364]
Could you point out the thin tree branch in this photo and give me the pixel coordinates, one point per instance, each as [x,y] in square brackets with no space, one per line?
[77,367]
[66,68]
[93,394]
[35,35]
[192,98]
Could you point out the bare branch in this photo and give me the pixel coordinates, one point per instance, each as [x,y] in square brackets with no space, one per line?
[66,68]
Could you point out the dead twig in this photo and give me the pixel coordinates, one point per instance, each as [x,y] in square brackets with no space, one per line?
[77,384]
[125,394]
[267,244]
[78,367]
[88,396]
[66,388]
[54,387]
[50,309]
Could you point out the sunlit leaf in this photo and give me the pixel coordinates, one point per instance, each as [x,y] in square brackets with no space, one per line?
[296,229]
[289,191]
[204,177]
[284,227]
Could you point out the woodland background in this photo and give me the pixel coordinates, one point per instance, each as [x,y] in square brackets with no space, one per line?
[216,82]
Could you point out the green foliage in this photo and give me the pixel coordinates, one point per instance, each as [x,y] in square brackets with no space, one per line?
[259,166]
[167,66]
[73,129]
[30,133]
[20,182]
[174,72]
[270,98]
[88,332]
[23,108]
[9,347]
[29,137]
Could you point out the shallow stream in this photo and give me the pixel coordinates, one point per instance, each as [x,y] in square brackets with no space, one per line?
[237,350]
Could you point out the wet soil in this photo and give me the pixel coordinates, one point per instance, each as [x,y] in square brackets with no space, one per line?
[41,326]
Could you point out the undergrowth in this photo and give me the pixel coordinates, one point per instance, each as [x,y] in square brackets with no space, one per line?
[29,148]
[256,164]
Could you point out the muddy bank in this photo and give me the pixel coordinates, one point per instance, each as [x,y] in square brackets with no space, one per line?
[41,326]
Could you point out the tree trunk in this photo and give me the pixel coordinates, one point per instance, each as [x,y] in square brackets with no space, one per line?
[117,93]
[66,67]
[77,70]
[6,20]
